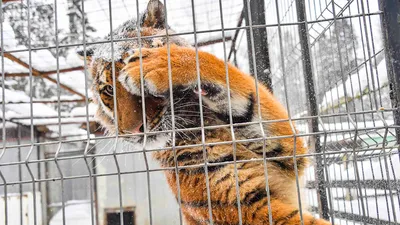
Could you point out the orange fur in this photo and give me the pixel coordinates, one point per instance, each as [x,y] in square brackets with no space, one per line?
[222,178]
[251,177]
[183,71]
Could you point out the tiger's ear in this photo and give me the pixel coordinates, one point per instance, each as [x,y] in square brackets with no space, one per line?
[88,55]
[154,15]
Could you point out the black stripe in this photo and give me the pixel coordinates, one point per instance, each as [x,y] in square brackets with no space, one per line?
[252,176]
[196,181]
[212,89]
[211,168]
[102,71]
[242,165]
[254,196]
[313,221]
[185,156]
[222,179]
[240,119]
[203,204]
[283,165]
[275,152]
[227,223]
[247,144]
[265,203]
[107,67]
[99,82]
[107,104]
[226,158]
[301,163]
[215,203]
[227,193]
[287,218]
[255,146]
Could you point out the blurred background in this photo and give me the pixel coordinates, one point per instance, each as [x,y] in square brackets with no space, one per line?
[325,60]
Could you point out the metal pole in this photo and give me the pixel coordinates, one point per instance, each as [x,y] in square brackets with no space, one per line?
[95,193]
[257,8]
[21,208]
[312,108]
[391,36]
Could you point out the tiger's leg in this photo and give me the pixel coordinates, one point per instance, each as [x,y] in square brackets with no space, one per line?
[281,214]
[190,219]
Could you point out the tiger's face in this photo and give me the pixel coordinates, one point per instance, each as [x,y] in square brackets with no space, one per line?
[107,60]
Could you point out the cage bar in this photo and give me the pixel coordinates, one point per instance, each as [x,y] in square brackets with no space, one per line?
[349,124]
[257,10]
[391,33]
[313,108]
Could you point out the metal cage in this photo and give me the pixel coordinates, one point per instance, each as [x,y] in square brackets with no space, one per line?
[334,64]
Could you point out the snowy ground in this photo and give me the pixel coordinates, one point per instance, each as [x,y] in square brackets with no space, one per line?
[378,203]
[42,114]
[76,212]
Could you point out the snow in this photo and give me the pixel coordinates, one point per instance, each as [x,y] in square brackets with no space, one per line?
[377,202]
[43,60]
[22,112]
[73,58]
[361,78]
[367,170]
[314,12]
[67,129]
[9,41]
[13,96]
[74,80]
[81,111]
[75,213]
[99,17]
[7,125]
[366,130]
[70,202]
[379,207]
[13,67]
[65,97]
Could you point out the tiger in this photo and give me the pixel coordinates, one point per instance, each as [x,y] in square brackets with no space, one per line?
[200,127]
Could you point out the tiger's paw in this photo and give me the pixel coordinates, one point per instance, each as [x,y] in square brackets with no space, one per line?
[153,65]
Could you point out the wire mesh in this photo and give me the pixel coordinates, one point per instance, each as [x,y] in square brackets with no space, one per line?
[329,62]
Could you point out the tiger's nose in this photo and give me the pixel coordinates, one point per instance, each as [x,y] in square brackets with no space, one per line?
[138,129]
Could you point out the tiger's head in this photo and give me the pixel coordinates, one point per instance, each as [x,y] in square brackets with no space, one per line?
[100,59]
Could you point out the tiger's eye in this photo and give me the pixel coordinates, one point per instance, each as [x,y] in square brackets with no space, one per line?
[109,90]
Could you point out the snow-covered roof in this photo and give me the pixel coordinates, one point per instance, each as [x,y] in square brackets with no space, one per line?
[41,114]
